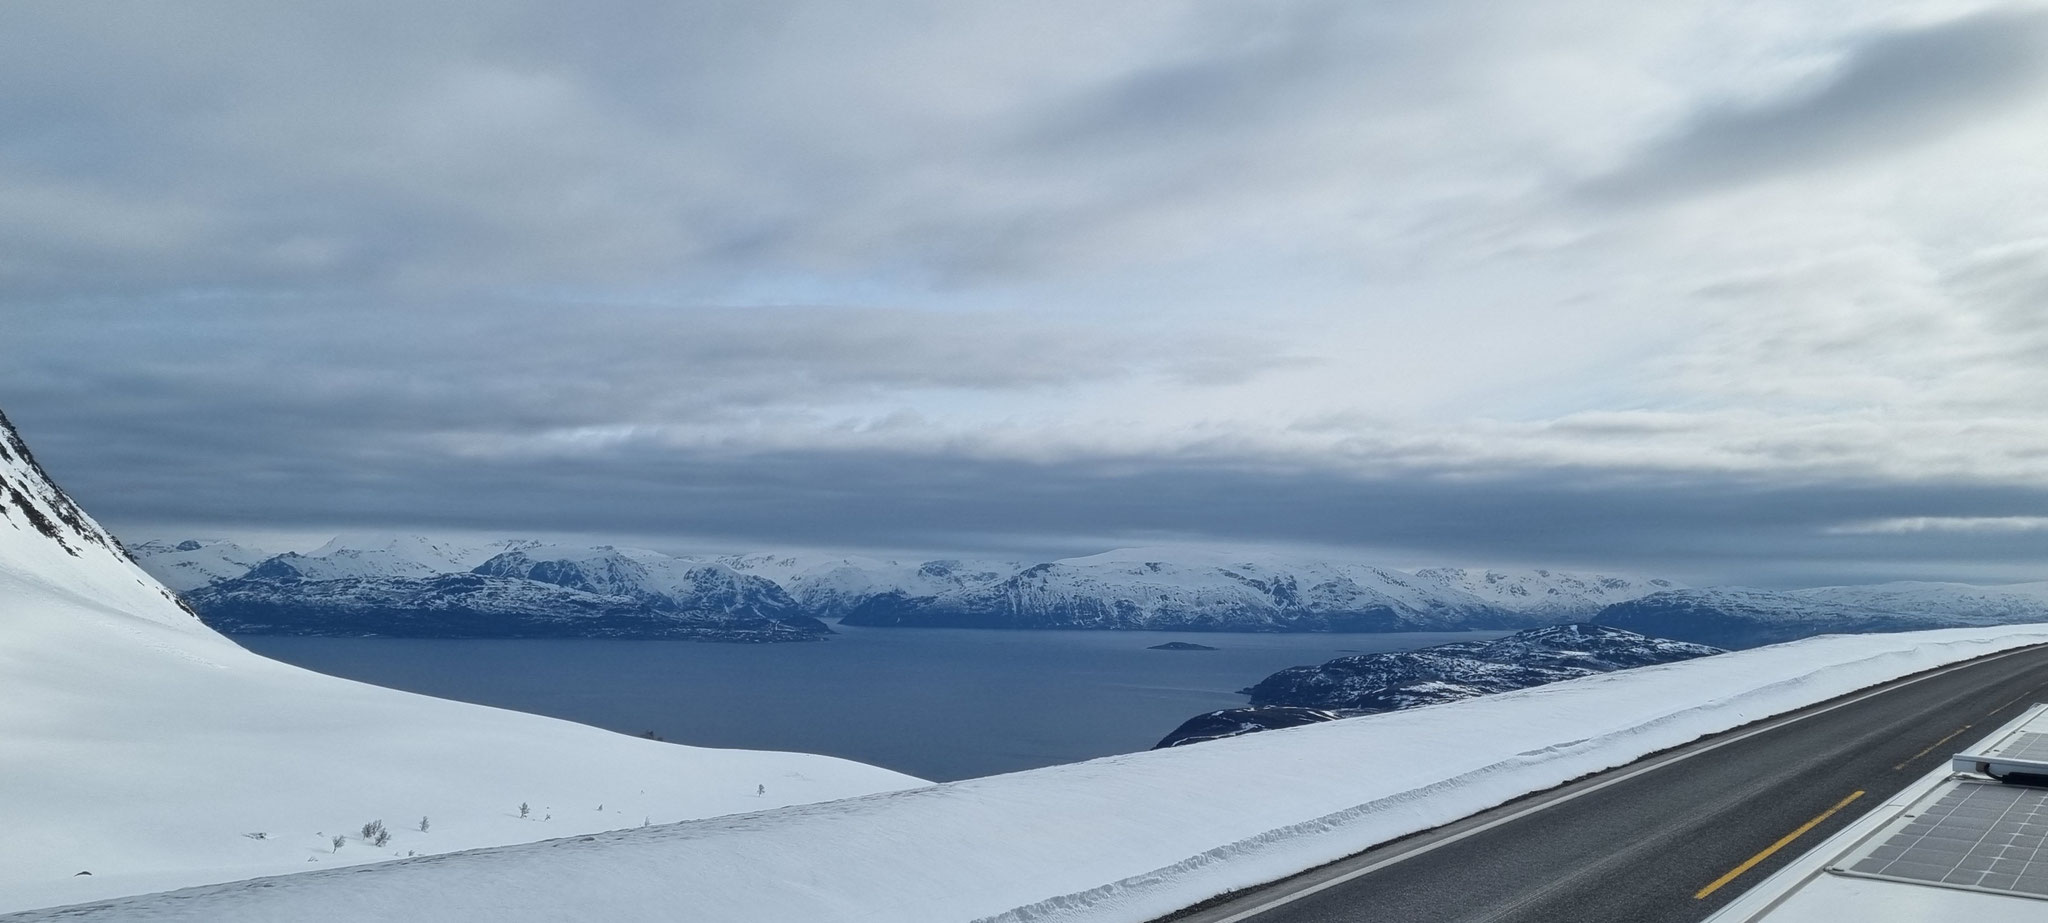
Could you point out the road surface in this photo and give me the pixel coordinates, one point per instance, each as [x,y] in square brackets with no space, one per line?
[1670,838]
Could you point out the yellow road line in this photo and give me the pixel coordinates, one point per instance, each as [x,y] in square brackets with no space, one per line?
[2007,705]
[1774,847]
[1930,747]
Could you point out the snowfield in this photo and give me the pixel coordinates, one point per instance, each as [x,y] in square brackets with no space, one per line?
[140,746]
[1125,838]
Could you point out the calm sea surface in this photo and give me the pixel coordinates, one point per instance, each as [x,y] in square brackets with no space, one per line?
[933,702]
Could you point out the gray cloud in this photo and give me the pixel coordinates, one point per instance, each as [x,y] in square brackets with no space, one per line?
[1895,90]
[321,372]
[1699,528]
[1043,276]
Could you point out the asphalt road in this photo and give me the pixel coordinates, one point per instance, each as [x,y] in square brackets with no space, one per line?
[1640,843]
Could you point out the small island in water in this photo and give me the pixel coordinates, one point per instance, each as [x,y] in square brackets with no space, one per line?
[1180,646]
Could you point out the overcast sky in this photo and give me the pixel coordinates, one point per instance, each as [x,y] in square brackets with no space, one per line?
[1731,292]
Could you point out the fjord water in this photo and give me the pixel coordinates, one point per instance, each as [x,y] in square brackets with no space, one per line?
[938,703]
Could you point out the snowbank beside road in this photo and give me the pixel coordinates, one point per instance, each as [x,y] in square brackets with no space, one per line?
[1124,838]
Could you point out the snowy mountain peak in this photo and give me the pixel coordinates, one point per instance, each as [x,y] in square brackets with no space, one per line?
[40,503]
[194,563]
[1543,591]
[417,554]
[47,542]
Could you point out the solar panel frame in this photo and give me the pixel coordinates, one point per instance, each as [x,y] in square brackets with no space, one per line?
[1968,834]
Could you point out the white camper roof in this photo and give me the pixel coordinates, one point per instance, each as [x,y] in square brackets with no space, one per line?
[1956,844]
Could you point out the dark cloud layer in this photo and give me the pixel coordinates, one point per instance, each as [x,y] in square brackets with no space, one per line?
[1695,527]
[1894,90]
[334,449]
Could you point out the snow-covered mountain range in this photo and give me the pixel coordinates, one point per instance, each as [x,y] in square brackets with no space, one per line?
[144,751]
[413,586]
[1189,591]
[409,586]
[193,563]
[1741,617]
[366,587]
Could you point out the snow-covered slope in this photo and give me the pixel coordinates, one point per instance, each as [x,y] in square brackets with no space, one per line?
[2017,602]
[1138,588]
[1734,617]
[830,586]
[1115,840]
[519,590]
[51,548]
[384,556]
[194,563]
[680,584]
[140,746]
[1548,593]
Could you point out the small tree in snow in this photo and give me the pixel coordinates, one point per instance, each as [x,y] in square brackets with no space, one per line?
[372,829]
[525,809]
[338,840]
[423,823]
[383,836]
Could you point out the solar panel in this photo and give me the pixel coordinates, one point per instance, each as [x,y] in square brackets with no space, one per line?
[1976,835]
[2026,745]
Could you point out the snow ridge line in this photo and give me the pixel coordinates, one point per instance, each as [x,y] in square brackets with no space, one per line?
[1290,849]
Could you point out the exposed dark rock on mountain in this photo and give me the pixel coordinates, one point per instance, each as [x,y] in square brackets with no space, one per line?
[1387,681]
[475,606]
[1166,596]
[408,587]
[46,508]
[1234,722]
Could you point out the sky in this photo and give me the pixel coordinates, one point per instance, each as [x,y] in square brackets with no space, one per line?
[1727,292]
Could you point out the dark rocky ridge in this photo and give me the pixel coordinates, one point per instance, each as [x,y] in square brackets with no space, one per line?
[1060,596]
[468,606]
[1237,722]
[1390,680]
[57,516]
[512,595]
[1364,684]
